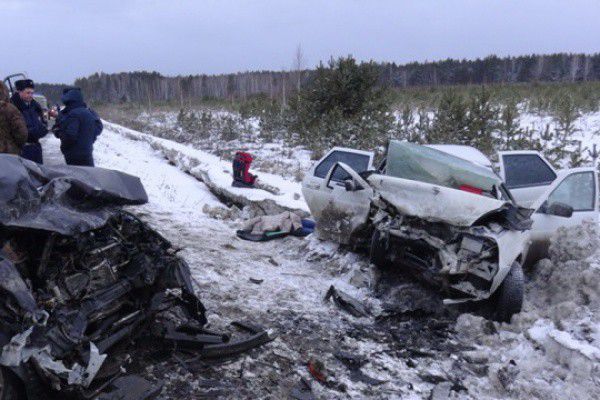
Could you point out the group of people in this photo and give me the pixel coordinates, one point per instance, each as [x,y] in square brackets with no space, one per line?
[23,123]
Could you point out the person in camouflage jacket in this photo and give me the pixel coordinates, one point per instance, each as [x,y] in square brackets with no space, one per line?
[13,130]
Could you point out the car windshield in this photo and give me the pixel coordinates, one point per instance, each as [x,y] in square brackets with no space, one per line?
[419,163]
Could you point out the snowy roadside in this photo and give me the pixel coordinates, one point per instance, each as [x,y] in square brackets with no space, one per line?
[550,351]
[216,174]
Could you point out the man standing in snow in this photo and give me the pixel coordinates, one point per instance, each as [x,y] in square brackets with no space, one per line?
[13,131]
[77,127]
[34,118]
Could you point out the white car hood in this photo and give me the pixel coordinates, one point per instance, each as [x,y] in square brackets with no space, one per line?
[433,202]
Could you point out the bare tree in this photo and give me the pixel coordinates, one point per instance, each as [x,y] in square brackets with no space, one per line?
[298,65]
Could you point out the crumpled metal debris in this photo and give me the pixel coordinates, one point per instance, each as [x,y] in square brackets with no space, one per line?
[346,302]
[64,199]
[75,301]
[131,388]
[12,353]
[84,376]
[354,363]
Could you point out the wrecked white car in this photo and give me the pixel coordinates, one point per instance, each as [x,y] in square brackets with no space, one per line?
[446,220]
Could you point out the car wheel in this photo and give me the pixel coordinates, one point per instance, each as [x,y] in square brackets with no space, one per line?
[508,298]
[10,386]
[378,251]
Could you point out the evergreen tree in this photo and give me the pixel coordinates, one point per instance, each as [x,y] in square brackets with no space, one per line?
[450,123]
[509,128]
[341,105]
[482,122]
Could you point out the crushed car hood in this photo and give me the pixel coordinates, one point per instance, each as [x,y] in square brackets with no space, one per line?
[432,202]
[62,199]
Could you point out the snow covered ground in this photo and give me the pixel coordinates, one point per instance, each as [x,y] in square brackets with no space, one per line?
[217,173]
[271,156]
[413,347]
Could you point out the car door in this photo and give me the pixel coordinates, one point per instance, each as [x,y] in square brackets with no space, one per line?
[527,174]
[576,188]
[316,194]
[347,205]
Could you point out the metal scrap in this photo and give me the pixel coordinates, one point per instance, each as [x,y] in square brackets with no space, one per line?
[346,302]
[131,388]
[354,363]
[84,376]
[91,292]
[12,352]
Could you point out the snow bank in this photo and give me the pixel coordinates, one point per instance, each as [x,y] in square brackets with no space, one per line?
[553,346]
[216,173]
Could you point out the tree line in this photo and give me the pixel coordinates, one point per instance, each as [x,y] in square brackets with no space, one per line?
[151,87]
[343,105]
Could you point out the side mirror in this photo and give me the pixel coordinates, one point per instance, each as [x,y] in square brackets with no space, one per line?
[559,209]
[352,186]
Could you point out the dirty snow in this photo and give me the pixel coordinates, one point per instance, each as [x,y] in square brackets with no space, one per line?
[554,344]
[416,348]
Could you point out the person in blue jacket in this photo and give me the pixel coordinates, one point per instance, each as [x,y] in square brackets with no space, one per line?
[77,126]
[34,118]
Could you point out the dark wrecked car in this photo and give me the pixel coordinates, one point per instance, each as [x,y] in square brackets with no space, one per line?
[446,220]
[80,279]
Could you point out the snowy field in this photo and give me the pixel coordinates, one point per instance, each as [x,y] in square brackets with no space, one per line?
[410,346]
[290,162]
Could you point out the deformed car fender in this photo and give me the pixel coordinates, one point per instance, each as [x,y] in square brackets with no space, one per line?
[512,246]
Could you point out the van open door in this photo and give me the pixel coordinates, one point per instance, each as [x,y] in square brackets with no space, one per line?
[527,174]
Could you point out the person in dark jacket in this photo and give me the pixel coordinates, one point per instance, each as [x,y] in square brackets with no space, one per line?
[77,127]
[34,119]
[13,131]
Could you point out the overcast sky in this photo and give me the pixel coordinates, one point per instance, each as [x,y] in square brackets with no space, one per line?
[60,40]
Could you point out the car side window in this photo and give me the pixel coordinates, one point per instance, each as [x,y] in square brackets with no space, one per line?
[358,162]
[523,170]
[577,190]
[339,175]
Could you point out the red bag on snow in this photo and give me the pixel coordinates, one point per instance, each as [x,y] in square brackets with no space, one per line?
[241,169]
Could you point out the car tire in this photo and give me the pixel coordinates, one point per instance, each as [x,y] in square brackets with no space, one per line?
[378,251]
[508,299]
[11,388]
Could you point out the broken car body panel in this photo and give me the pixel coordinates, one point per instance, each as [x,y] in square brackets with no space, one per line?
[62,199]
[433,202]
